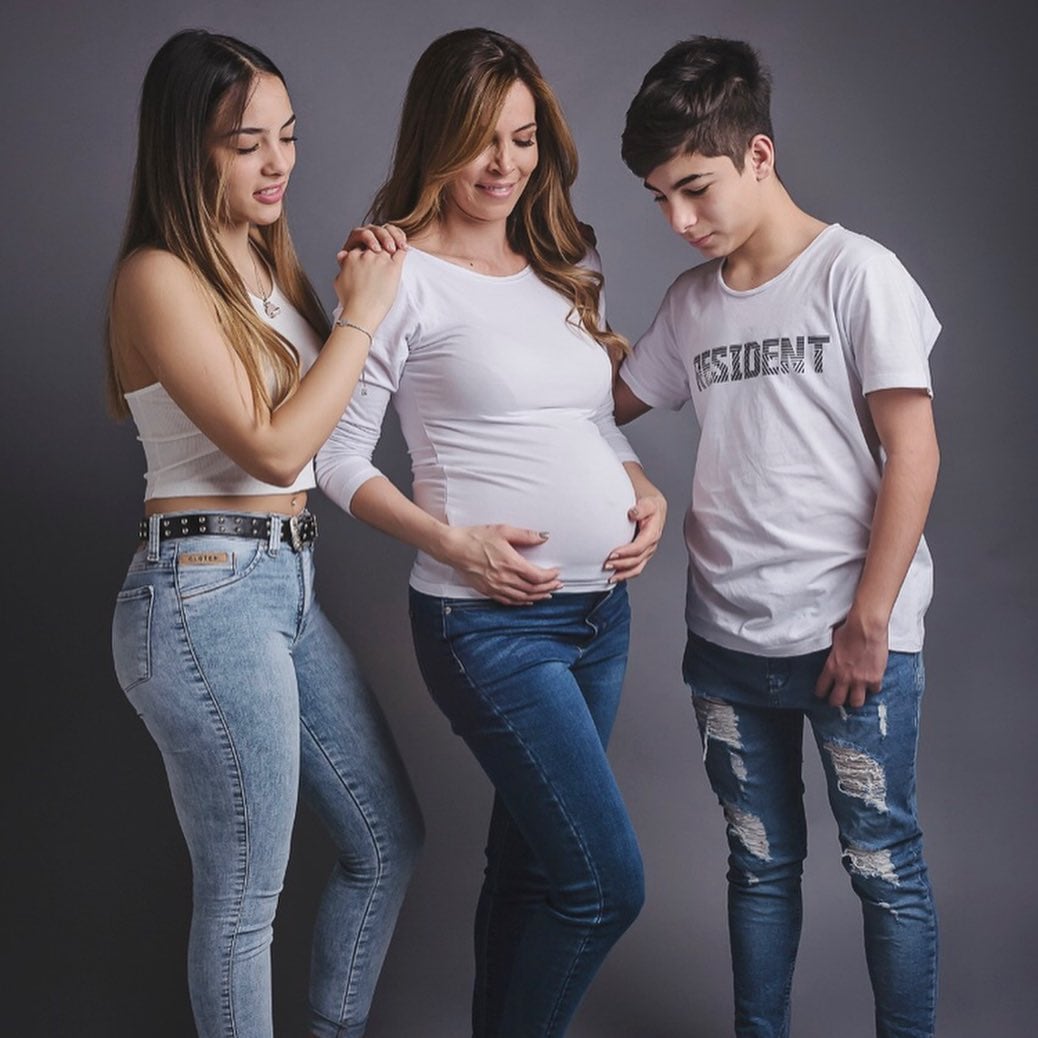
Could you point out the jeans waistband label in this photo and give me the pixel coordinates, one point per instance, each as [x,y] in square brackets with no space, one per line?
[203,558]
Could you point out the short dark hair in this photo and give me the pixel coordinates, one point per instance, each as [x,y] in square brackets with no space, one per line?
[705,95]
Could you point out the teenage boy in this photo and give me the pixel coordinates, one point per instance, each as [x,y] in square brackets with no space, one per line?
[804,349]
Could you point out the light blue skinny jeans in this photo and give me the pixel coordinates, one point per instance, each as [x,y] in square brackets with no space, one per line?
[252,697]
[751,712]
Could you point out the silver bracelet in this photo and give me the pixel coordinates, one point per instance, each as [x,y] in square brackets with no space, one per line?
[341,322]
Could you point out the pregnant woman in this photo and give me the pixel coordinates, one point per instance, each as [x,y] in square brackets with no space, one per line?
[529,510]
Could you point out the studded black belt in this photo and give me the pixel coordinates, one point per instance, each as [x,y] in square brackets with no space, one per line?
[296,531]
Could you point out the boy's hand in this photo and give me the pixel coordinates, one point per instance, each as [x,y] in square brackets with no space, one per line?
[649,514]
[855,665]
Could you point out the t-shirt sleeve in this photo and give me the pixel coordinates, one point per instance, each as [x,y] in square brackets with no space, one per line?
[343,465]
[890,325]
[654,371]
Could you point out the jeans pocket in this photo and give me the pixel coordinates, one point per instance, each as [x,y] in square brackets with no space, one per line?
[202,567]
[131,636]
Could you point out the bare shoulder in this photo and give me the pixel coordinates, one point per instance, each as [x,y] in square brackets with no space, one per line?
[161,316]
[150,272]
[153,288]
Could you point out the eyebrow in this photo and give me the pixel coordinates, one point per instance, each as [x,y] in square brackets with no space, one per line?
[679,183]
[255,129]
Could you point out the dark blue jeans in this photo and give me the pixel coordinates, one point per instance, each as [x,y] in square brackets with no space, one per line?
[751,712]
[533,691]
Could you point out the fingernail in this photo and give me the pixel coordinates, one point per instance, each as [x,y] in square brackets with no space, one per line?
[542,533]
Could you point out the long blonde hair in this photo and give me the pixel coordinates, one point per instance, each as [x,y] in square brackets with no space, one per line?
[176,204]
[452,104]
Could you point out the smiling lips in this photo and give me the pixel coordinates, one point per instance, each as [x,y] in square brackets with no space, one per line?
[270,195]
[497,190]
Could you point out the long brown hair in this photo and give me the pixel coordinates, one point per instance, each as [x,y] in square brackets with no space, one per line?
[176,205]
[453,101]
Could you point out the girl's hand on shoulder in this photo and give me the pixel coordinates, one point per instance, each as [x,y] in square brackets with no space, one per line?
[649,515]
[376,237]
[367,283]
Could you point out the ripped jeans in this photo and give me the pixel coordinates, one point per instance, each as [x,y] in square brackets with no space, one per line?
[750,710]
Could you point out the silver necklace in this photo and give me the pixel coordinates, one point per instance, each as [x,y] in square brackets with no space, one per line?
[270,308]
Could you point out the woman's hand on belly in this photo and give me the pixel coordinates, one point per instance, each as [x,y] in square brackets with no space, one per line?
[487,559]
[649,515]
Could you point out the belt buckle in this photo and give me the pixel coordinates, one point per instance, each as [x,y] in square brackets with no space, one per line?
[294,533]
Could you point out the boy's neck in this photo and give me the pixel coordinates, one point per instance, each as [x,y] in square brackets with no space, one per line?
[783,233]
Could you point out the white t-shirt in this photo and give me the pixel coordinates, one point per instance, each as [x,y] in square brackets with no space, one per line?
[507,412]
[789,463]
[181,460]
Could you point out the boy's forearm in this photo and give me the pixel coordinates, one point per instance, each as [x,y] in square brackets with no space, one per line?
[906,490]
[857,661]
[901,509]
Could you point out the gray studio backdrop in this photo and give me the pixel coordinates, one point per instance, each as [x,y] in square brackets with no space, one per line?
[912,122]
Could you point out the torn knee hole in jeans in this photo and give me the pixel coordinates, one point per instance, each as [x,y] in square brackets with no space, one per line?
[872,865]
[859,775]
[749,830]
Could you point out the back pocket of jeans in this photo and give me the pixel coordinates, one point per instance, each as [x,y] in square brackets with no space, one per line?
[131,636]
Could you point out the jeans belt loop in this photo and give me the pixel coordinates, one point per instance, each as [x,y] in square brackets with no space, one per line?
[274,539]
[154,527]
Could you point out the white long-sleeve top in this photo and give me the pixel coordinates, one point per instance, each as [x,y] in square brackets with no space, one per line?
[506,407]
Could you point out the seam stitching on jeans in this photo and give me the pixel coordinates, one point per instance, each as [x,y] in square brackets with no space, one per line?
[246,852]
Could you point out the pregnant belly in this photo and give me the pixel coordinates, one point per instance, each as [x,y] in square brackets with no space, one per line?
[571,486]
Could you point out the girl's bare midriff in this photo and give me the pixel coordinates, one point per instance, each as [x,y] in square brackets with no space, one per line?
[262,504]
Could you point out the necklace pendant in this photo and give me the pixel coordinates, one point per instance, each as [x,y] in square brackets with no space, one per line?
[271,309]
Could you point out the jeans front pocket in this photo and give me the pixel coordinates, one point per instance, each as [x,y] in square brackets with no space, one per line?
[131,636]
[205,564]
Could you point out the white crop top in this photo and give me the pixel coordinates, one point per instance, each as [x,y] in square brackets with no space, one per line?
[507,411]
[181,460]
